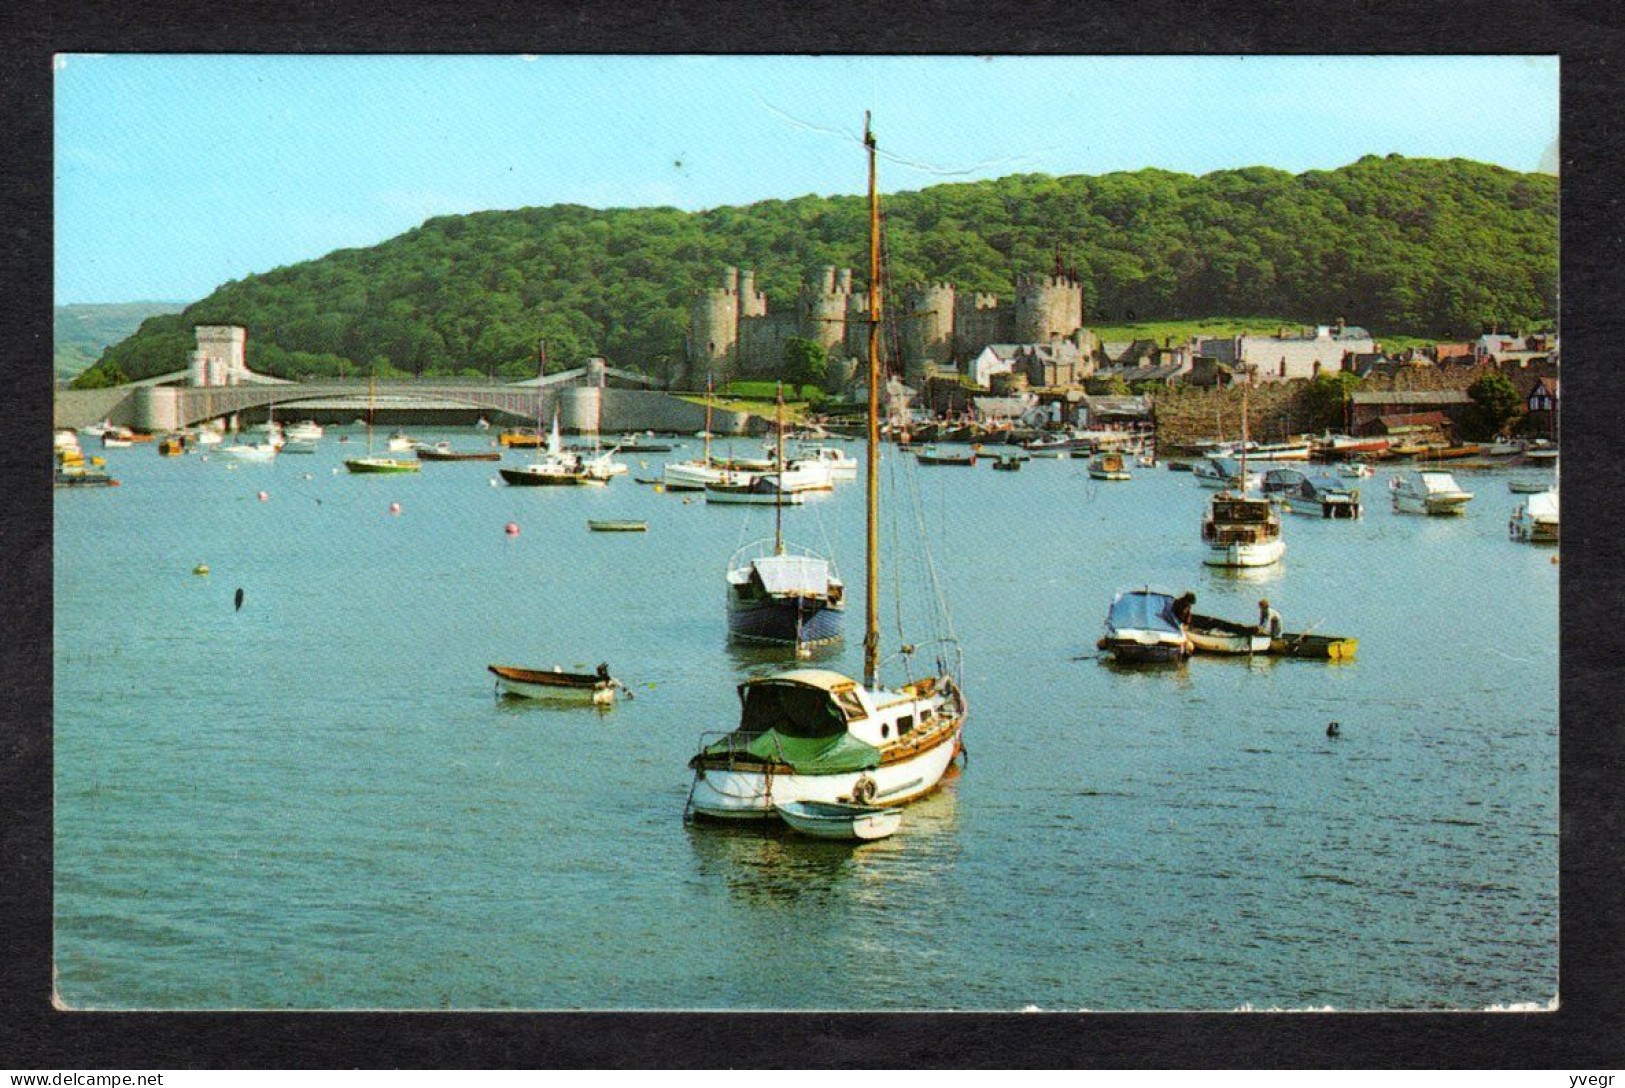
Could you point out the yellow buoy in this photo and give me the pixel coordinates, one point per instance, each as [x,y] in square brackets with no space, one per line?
[201,568]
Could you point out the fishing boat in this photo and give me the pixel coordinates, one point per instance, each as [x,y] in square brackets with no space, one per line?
[826,821]
[1242,530]
[618,526]
[815,734]
[1315,647]
[1141,628]
[1220,472]
[1535,519]
[1211,635]
[595,687]
[779,594]
[933,456]
[558,468]
[376,466]
[744,489]
[1324,497]
[1428,492]
[1109,466]
[443,451]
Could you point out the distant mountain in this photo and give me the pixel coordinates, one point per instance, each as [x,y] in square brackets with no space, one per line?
[1418,247]
[82,331]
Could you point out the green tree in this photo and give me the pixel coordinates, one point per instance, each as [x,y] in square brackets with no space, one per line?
[101,376]
[805,362]
[1325,397]
[1495,403]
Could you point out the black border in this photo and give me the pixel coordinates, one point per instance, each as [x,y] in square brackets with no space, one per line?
[1587,1032]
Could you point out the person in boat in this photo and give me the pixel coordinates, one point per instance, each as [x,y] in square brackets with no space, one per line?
[1269,620]
[1182,608]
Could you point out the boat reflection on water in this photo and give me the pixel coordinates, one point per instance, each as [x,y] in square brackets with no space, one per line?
[766,862]
[1248,575]
[761,660]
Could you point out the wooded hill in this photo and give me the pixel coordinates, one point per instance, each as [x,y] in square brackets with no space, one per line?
[1420,247]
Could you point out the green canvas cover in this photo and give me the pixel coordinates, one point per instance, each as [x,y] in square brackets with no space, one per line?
[799,724]
[807,755]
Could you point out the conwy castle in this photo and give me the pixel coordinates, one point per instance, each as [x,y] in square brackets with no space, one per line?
[732,334]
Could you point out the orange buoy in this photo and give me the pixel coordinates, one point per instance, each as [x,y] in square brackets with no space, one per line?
[512,528]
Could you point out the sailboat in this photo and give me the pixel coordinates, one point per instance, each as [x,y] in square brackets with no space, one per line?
[1242,530]
[780,594]
[816,735]
[369,463]
[695,475]
[559,468]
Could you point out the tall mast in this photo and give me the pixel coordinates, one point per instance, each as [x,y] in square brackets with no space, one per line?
[871,600]
[1244,440]
[778,493]
[708,419]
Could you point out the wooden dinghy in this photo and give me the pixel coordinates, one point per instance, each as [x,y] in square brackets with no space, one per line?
[1210,635]
[826,820]
[618,526]
[595,687]
[1317,647]
[932,456]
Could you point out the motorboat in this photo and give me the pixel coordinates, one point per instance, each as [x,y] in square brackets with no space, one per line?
[248,451]
[1535,519]
[400,442]
[1241,530]
[1109,466]
[1324,497]
[1222,472]
[841,466]
[443,451]
[304,431]
[784,595]
[597,688]
[1278,482]
[835,821]
[557,467]
[1141,628]
[1428,492]
[1355,470]
[815,735]
[1210,635]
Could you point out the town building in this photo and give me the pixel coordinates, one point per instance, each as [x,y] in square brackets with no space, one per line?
[1288,354]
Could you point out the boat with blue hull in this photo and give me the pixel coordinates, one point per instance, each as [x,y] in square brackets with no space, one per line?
[781,595]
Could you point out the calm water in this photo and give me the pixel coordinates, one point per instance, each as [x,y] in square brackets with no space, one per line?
[316,802]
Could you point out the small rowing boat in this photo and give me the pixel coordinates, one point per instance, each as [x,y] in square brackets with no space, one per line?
[827,820]
[595,687]
[442,451]
[1210,635]
[618,526]
[1318,647]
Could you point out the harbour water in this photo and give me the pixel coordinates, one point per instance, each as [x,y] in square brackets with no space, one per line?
[316,802]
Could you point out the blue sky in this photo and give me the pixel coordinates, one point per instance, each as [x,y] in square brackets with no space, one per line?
[177,173]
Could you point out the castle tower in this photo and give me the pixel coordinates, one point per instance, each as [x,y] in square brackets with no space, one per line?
[823,308]
[927,322]
[1047,308]
[220,357]
[713,329]
[752,303]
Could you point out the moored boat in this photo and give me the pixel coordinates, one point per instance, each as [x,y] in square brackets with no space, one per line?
[1109,466]
[244,451]
[748,490]
[835,821]
[595,687]
[371,465]
[1324,497]
[816,735]
[443,451]
[1141,628]
[618,526]
[931,455]
[1007,463]
[1536,519]
[1429,492]
[1223,472]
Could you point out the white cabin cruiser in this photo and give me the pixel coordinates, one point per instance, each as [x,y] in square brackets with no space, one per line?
[1429,492]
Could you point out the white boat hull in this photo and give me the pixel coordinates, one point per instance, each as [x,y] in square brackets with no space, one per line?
[862,824]
[602,695]
[1435,505]
[751,794]
[263,452]
[1245,555]
[692,476]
